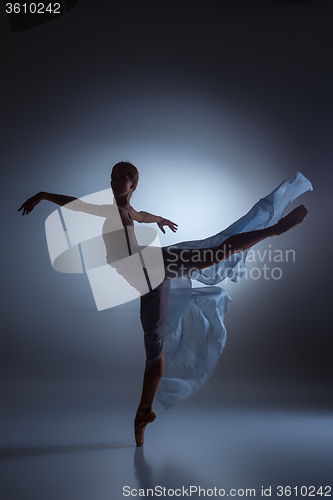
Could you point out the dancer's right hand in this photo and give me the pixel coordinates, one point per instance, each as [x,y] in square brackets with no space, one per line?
[166,222]
[31,203]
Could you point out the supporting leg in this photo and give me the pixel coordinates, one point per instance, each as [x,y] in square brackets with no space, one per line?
[153,315]
[144,414]
[151,381]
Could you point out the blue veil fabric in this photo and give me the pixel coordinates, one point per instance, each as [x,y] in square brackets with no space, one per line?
[195,334]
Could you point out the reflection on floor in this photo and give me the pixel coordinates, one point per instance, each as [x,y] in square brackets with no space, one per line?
[93,457]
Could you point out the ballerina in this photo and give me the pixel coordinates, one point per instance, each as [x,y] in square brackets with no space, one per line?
[215,251]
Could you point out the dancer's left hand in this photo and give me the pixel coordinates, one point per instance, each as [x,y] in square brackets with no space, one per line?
[167,222]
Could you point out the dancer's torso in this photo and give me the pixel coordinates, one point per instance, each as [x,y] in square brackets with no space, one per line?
[119,243]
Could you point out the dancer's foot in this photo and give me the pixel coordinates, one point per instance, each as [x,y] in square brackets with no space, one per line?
[291,220]
[144,416]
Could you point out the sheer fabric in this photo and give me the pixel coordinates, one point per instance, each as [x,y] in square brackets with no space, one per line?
[189,323]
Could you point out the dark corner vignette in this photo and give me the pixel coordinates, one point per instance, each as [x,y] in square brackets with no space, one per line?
[24,14]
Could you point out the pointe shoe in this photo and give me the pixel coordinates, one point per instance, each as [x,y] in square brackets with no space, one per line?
[142,419]
[291,220]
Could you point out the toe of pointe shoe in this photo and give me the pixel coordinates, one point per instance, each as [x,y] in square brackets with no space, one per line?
[300,212]
[142,419]
[291,220]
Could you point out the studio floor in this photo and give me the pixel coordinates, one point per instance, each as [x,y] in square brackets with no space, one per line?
[90,455]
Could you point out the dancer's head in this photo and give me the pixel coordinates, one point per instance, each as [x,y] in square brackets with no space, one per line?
[124,179]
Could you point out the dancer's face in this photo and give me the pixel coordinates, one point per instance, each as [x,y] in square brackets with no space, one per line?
[121,183]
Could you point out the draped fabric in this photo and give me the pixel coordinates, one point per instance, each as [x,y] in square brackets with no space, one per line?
[190,322]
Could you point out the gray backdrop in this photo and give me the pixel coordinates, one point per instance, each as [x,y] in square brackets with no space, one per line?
[216,103]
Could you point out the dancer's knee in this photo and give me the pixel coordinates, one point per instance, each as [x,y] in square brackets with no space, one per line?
[229,247]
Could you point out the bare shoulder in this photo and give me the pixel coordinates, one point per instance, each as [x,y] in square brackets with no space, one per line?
[136,215]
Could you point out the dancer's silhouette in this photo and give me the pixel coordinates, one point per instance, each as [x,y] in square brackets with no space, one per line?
[124,180]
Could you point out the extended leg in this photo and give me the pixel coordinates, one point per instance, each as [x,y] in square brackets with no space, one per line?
[242,241]
[206,257]
[232,245]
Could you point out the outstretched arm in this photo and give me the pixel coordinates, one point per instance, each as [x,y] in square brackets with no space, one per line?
[71,202]
[30,204]
[149,218]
